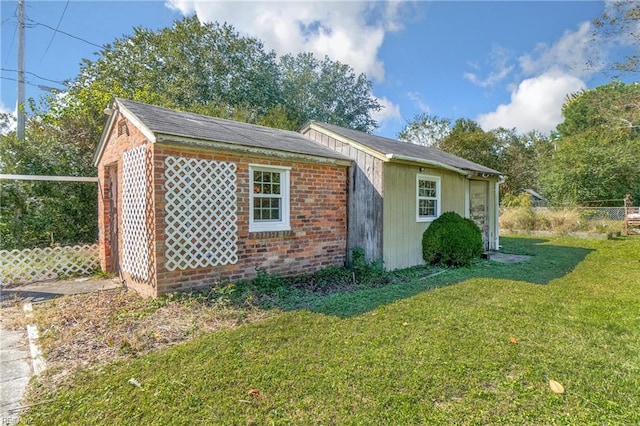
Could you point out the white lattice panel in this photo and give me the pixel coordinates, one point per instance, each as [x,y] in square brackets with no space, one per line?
[200,205]
[32,265]
[135,255]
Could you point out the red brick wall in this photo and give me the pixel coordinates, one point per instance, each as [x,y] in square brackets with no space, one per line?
[318,215]
[317,238]
[124,136]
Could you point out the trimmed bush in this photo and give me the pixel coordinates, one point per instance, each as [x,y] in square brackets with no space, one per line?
[452,240]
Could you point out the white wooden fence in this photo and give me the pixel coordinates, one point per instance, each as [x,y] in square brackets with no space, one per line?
[42,264]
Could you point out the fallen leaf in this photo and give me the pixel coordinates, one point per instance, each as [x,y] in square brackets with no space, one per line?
[404,324]
[134,382]
[555,386]
[254,392]
[513,340]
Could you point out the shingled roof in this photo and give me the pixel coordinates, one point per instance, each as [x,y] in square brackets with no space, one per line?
[168,124]
[395,149]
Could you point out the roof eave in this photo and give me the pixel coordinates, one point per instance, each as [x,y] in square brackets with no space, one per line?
[314,125]
[246,149]
[398,157]
[105,133]
[117,108]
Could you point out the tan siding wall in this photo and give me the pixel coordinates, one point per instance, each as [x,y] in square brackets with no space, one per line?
[403,234]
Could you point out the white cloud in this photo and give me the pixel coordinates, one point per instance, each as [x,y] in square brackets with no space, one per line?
[536,104]
[389,111]
[347,31]
[418,100]
[499,60]
[13,113]
[570,54]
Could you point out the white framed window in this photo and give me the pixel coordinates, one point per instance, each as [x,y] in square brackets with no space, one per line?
[427,198]
[268,198]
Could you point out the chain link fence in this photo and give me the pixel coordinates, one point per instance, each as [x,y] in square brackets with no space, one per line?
[596,213]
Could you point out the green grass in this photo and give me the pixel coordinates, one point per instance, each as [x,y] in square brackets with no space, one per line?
[428,351]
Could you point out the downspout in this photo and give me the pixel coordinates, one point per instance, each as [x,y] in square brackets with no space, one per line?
[496,199]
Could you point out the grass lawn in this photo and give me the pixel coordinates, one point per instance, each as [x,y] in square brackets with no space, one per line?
[469,346]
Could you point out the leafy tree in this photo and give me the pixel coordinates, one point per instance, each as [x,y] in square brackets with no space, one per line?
[514,155]
[326,91]
[205,68]
[36,213]
[613,106]
[468,140]
[618,26]
[425,129]
[591,166]
[597,147]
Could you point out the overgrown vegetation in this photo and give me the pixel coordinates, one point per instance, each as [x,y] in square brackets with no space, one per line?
[451,240]
[519,215]
[481,351]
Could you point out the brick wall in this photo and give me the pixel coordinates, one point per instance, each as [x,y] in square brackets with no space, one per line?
[123,136]
[317,238]
[318,216]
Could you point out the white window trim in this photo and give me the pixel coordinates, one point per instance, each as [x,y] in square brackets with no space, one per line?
[284,224]
[435,179]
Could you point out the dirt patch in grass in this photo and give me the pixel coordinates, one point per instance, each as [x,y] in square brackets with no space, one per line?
[88,330]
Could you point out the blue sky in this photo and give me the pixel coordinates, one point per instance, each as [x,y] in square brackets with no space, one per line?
[503,63]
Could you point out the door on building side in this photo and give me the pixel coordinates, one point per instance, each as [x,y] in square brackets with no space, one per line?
[114,264]
[479,207]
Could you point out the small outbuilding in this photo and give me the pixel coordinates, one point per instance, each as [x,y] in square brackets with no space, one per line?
[188,201]
[396,189]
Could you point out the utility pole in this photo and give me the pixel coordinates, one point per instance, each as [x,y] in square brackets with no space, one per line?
[20,100]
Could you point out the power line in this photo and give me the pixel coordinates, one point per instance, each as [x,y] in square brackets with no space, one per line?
[36,75]
[55,31]
[39,86]
[40,24]
[13,38]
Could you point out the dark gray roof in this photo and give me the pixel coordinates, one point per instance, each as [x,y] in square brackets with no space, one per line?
[205,128]
[387,146]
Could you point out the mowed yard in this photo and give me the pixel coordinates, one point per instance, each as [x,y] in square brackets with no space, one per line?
[475,345]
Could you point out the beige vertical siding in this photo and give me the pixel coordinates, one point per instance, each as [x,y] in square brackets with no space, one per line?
[402,233]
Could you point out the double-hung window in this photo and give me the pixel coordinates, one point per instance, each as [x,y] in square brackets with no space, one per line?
[268,198]
[427,198]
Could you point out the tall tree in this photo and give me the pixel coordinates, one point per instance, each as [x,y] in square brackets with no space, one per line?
[326,91]
[597,147]
[618,26]
[425,129]
[468,140]
[206,68]
[516,156]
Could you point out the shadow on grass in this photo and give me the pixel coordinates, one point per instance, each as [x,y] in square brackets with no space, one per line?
[548,262]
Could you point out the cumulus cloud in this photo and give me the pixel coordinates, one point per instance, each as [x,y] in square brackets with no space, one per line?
[349,32]
[570,54]
[535,104]
[551,72]
[389,111]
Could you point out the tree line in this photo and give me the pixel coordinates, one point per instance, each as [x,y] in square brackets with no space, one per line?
[209,68]
[593,156]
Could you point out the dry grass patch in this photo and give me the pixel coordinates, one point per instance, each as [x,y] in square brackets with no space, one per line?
[92,329]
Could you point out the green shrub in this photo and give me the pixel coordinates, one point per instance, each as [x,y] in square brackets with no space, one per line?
[451,240]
